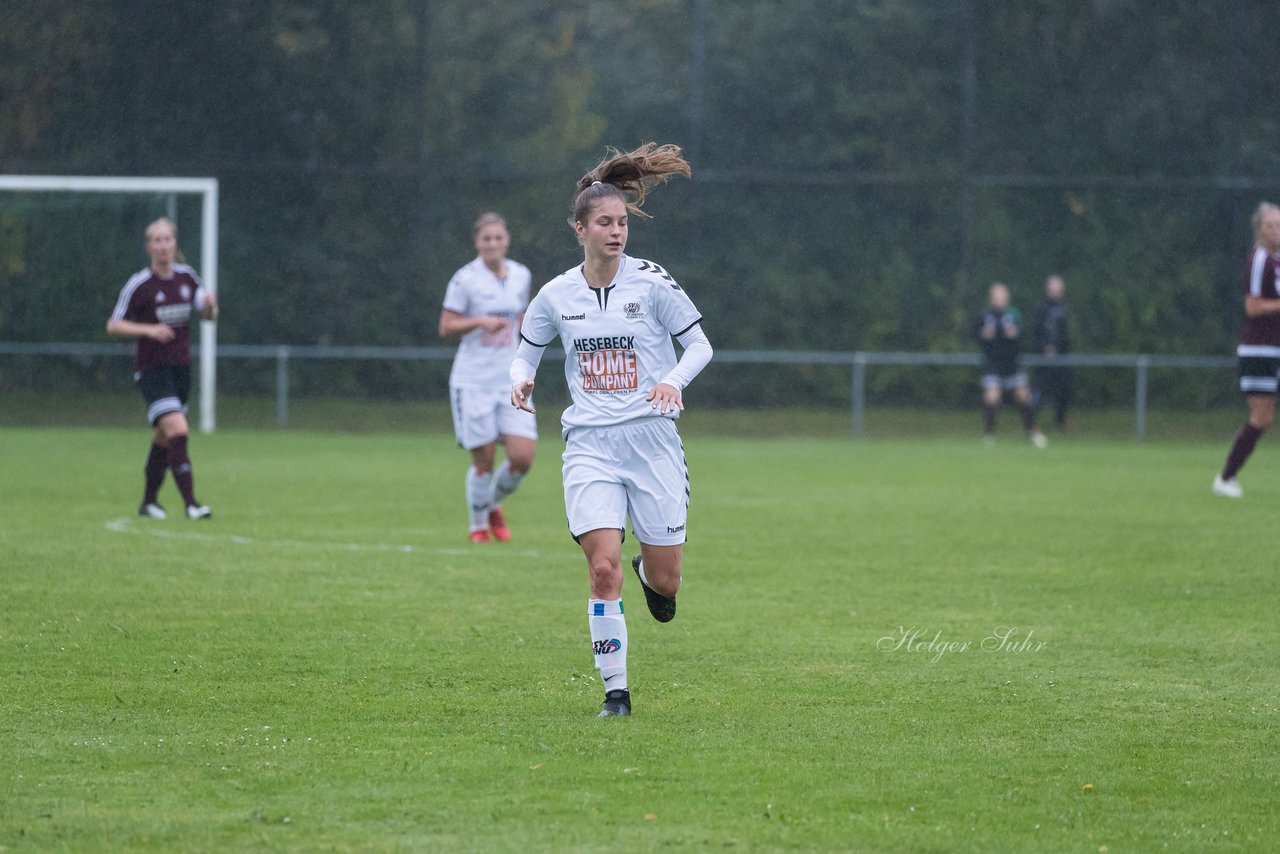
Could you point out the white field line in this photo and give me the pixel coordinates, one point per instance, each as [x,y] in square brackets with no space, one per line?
[153,528]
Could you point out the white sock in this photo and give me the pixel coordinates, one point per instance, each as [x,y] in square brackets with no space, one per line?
[609,641]
[645,578]
[505,482]
[479,498]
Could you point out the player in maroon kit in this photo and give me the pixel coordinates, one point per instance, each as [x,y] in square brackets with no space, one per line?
[1259,348]
[155,308]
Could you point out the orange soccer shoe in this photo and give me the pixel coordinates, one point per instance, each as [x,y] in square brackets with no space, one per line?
[498,524]
[479,536]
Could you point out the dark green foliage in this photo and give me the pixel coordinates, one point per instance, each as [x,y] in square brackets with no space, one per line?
[846,195]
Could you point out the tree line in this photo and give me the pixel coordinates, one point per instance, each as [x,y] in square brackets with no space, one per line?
[863,168]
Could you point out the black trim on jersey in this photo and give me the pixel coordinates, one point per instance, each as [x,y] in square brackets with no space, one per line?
[531,343]
[687,328]
[650,267]
[602,296]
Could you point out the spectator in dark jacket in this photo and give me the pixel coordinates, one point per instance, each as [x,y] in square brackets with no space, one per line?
[997,332]
[1053,340]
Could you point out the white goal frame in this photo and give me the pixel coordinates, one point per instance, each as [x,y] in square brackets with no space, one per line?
[207,189]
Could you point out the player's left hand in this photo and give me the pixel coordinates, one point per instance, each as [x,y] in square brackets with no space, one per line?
[521,393]
[665,398]
[209,311]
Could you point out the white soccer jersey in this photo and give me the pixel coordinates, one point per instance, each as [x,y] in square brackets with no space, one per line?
[483,358]
[617,339]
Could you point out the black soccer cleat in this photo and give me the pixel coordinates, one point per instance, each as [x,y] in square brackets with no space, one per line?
[617,704]
[662,607]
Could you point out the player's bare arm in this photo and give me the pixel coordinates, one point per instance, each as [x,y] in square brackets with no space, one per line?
[453,324]
[129,329]
[1260,306]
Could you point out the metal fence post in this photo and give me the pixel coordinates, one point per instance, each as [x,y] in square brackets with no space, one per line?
[1140,397]
[859,392]
[282,386]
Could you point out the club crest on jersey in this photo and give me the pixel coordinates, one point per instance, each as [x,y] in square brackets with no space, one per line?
[633,311]
[159,296]
[186,293]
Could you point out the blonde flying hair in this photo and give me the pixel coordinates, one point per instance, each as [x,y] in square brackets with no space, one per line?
[628,176]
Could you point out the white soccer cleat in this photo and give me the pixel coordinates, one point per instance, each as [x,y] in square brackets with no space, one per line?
[152,511]
[1039,439]
[1227,488]
[198,511]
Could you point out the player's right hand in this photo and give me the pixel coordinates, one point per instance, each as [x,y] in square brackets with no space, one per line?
[161,332]
[521,393]
[491,324]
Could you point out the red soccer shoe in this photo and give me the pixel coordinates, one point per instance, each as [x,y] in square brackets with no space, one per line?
[498,524]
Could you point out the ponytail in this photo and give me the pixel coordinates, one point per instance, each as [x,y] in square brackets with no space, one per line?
[628,176]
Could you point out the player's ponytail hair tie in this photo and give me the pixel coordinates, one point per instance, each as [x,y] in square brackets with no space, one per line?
[629,176]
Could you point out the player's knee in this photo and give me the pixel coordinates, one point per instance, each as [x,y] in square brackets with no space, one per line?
[667,585]
[663,575]
[605,574]
[603,567]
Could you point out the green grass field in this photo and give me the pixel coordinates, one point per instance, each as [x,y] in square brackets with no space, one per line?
[328,665]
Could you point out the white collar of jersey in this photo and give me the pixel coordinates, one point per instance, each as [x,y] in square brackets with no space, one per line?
[581,272]
[480,266]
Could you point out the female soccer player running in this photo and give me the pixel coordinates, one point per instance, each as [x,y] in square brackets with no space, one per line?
[1259,349]
[483,305]
[615,316]
[155,307]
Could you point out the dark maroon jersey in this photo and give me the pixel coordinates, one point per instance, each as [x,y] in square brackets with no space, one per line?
[147,298]
[1260,281]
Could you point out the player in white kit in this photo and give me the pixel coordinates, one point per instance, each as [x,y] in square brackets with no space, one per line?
[483,305]
[616,316]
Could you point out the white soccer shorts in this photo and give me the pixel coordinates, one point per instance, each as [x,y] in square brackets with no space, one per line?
[635,469]
[1005,382]
[481,415]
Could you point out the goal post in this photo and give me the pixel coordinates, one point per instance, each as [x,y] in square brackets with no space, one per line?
[207,189]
